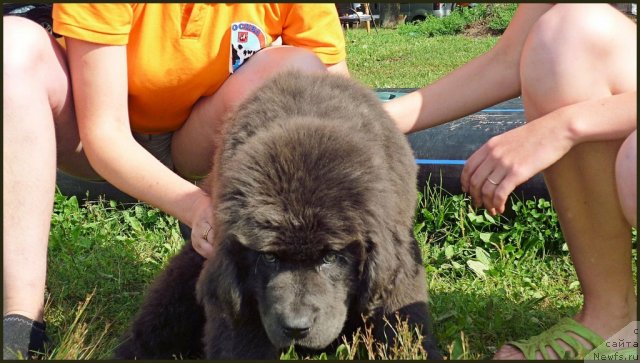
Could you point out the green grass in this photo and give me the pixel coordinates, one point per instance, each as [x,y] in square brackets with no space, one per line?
[388,59]
[108,247]
[491,279]
[481,296]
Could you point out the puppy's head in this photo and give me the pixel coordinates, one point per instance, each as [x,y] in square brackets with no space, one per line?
[296,204]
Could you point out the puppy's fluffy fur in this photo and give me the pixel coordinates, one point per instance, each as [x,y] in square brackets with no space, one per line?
[315,193]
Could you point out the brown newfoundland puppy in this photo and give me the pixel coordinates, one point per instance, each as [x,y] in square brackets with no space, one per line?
[315,191]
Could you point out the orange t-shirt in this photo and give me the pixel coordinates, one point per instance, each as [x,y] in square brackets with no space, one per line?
[177,53]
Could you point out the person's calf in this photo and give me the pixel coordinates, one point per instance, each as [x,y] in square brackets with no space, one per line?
[626,178]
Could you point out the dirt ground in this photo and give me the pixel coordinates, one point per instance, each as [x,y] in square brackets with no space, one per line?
[479,29]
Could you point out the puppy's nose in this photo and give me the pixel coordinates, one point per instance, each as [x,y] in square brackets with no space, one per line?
[296,333]
[297,329]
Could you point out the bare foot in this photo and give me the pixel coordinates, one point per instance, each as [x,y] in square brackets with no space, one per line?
[508,352]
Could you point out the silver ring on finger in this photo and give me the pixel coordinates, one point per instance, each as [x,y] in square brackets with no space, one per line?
[206,234]
[491,181]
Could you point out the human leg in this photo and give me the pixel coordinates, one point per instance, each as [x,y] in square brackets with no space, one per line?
[626,178]
[38,129]
[194,145]
[562,64]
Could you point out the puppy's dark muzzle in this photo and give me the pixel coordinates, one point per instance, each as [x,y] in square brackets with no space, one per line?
[296,328]
[296,333]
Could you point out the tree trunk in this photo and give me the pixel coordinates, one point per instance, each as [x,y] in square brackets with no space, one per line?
[390,16]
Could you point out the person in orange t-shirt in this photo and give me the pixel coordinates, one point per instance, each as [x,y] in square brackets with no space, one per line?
[151,84]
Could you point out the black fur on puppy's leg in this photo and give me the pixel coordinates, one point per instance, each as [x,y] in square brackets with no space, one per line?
[170,321]
[246,340]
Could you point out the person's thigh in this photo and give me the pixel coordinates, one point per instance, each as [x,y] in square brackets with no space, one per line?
[194,145]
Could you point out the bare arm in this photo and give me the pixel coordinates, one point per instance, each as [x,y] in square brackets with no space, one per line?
[99,77]
[609,118]
[484,81]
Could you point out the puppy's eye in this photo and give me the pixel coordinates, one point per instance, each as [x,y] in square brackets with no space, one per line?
[269,257]
[330,258]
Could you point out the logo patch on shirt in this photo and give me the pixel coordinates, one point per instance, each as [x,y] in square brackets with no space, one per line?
[246,40]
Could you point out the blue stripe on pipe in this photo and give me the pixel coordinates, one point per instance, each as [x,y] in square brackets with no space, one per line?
[439,162]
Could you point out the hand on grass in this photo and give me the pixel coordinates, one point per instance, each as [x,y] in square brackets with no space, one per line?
[510,159]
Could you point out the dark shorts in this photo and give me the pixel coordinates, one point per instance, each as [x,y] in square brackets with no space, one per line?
[159,145]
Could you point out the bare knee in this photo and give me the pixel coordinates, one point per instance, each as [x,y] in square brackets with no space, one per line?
[275,59]
[567,44]
[284,57]
[32,57]
[24,42]
[264,65]
[572,31]
[626,178]
[34,62]
[24,87]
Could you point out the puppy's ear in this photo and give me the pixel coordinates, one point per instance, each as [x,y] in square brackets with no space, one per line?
[367,276]
[374,275]
[220,287]
[370,287]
